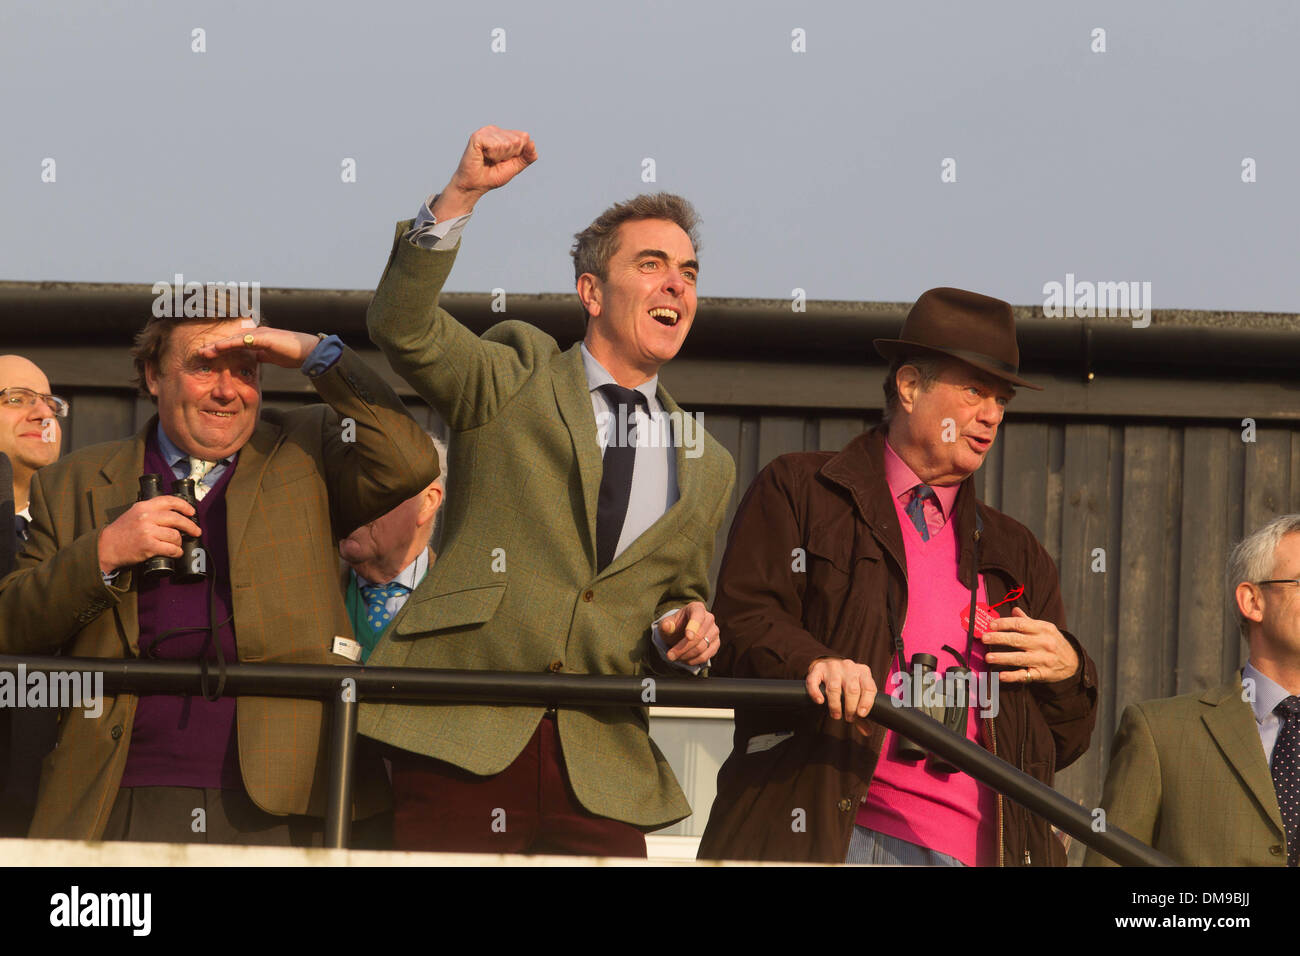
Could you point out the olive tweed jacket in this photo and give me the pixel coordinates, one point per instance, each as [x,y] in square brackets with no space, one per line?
[1188,776]
[515,587]
[299,485]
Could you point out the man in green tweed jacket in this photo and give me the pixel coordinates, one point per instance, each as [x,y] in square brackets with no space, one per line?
[1213,778]
[578,534]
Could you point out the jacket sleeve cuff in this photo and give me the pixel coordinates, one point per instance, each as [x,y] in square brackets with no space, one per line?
[1076,683]
[801,660]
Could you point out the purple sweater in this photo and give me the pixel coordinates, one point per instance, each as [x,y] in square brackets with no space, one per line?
[187,741]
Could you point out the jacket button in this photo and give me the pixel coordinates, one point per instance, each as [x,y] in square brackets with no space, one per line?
[555,666]
[1275,850]
[116,732]
[846,804]
[588,596]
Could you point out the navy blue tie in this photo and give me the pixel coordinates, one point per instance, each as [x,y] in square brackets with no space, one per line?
[616,474]
[916,509]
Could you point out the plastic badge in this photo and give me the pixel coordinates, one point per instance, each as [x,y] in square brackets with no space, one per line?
[985,615]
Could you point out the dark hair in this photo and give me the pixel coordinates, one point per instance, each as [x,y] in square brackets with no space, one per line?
[593,247]
[927,364]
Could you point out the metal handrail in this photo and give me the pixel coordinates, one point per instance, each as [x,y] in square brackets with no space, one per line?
[348,685]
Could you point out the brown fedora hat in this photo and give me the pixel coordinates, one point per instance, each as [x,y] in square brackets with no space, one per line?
[977,329]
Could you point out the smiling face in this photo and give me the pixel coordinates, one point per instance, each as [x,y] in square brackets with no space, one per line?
[640,315]
[208,407]
[25,436]
[944,432]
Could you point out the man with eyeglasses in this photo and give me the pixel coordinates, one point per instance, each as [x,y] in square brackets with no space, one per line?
[1212,778]
[30,432]
[31,437]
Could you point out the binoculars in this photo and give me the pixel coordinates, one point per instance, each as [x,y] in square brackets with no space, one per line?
[192,564]
[946,698]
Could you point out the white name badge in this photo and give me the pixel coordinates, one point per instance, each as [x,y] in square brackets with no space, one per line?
[346,647]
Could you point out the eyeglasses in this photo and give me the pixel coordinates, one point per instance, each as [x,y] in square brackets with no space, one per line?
[16,397]
[1280,581]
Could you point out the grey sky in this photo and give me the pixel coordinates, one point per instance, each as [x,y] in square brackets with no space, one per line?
[818,170]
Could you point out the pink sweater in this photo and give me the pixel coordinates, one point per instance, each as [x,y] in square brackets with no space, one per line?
[950,813]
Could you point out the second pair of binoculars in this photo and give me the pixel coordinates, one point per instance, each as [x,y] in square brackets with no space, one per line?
[192,565]
[944,697]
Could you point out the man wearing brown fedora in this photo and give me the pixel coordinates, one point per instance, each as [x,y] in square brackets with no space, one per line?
[842,566]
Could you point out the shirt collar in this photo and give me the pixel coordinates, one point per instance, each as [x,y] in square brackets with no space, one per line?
[901,480]
[172,454]
[597,375]
[1268,693]
[410,576]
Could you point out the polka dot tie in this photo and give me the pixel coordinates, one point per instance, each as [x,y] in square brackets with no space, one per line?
[377,596]
[916,509]
[1286,774]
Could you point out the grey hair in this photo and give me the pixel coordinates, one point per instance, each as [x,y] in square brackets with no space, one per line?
[928,365]
[440,449]
[1254,557]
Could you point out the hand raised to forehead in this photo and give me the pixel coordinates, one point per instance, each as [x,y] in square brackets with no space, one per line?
[272,346]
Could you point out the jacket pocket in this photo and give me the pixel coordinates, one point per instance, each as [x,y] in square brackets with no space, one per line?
[831,545]
[843,565]
[461,608]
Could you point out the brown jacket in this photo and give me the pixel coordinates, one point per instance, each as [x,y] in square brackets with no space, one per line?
[776,620]
[300,484]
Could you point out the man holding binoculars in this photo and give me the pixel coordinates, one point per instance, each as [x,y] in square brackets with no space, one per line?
[852,570]
[264,496]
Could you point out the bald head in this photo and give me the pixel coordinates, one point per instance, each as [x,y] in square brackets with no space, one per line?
[29,434]
[18,371]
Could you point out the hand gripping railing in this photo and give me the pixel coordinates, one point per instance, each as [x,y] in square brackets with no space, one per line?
[346,686]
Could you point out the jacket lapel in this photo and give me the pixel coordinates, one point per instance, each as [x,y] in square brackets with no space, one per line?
[860,469]
[569,379]
[108,502]
[1232,725]
[241,493]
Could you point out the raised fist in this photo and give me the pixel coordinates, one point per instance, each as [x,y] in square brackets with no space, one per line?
[492,158]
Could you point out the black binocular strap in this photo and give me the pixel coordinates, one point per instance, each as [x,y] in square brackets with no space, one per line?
[211,629]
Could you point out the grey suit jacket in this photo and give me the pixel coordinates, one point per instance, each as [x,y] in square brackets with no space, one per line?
[1188,776]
